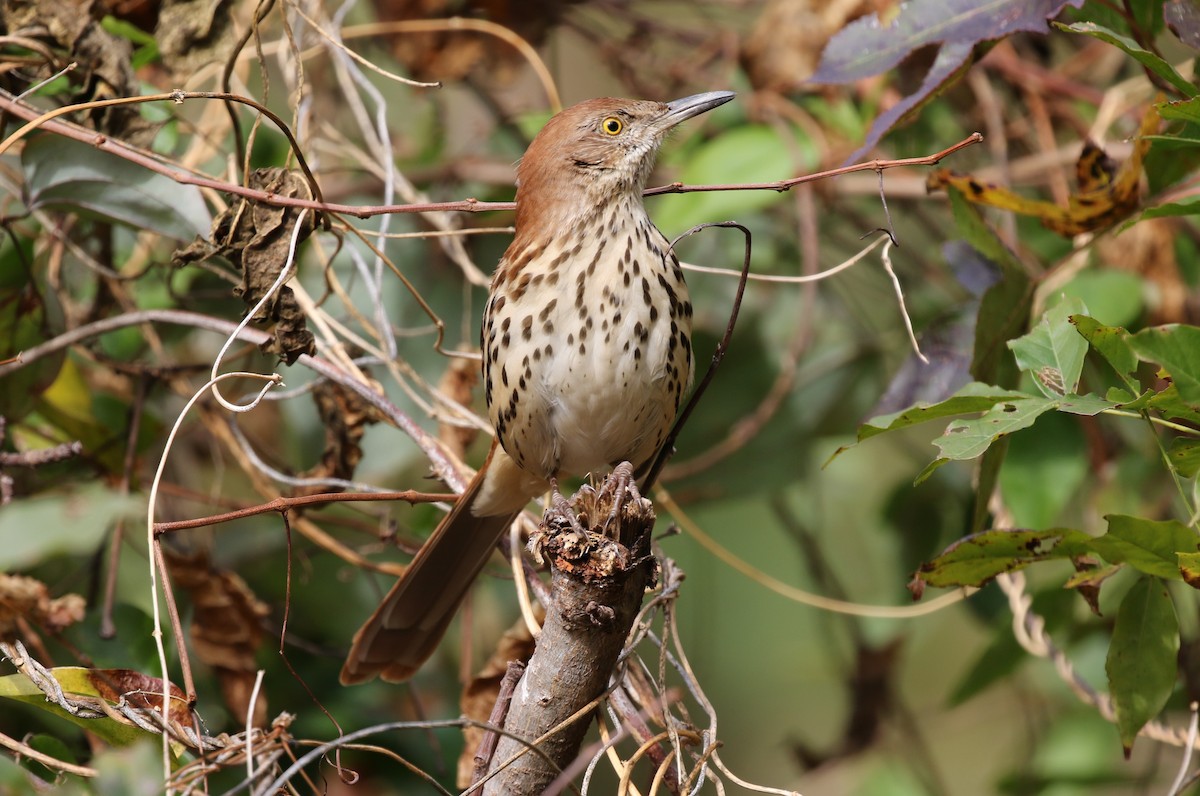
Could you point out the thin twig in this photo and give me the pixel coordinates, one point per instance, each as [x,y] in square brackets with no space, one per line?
[487,744]
[52,763]
[799,595]
[177,97]
[322,749]
[1186,763]
[460,23]
[443,466]
[885,256]
[152,544]
[783,185]
[668,446]
[42,456]
[470,205]
[283,504]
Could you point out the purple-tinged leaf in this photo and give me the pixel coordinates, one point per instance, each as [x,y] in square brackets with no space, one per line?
[869,47]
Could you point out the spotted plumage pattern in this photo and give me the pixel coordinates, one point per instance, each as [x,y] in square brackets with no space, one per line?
[587,354]
[587,345]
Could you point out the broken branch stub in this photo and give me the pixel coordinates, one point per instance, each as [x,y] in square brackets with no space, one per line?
[597,545]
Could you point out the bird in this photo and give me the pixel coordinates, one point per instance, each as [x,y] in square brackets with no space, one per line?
[587,355]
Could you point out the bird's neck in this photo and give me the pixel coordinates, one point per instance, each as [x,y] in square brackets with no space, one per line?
[576,210]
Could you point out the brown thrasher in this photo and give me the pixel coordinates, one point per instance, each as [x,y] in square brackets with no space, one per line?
[586,355]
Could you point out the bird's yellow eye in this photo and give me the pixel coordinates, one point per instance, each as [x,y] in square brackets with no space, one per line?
[612,125]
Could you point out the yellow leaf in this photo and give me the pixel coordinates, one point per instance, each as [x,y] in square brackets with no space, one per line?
[1104,196]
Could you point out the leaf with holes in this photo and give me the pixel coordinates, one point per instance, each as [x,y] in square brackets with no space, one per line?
[976,559]
[970,398]
[967,439]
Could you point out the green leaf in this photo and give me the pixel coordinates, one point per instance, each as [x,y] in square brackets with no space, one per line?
[1141,661]
[1149,546]
[1173,157]
[1185,208]
[1125,401]
[1112,343]
[1172,405]
[1177,348]
[1053,351]
[966,439]
[20,688]
[1086,405]
[1184,454]
[126,30]
[1180,110]
[970,398]
[1005,411]
[64,174]
[1189,569]
[30,313]
[36,528]
[973,397]
[1143,56]
[976,559]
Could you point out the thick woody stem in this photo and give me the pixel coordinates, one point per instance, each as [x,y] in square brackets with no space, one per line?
[596,545]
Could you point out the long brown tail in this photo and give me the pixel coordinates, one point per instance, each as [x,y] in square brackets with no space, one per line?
[407,626]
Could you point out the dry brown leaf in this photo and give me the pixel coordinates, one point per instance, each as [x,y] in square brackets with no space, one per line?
[194,33]
[140,691]
[104,69]
[345,416]
[226,628]
[257,238]
[1104,196]
[29,599]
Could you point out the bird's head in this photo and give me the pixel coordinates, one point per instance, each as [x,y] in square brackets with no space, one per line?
[598,150]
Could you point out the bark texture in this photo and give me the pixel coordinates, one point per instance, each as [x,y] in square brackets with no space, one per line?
[597,544]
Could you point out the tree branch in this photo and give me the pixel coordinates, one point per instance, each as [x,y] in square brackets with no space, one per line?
[596,545]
